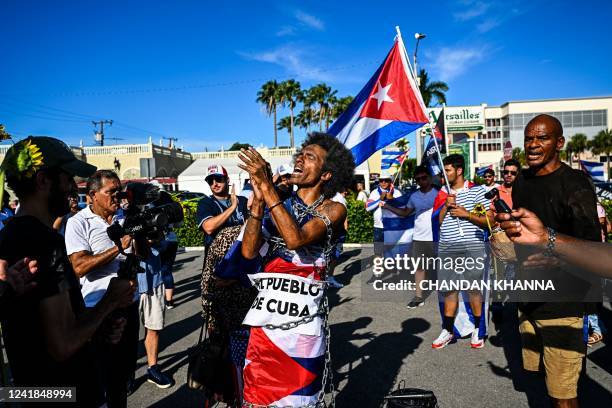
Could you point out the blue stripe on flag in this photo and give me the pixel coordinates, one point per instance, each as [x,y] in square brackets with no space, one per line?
[381,138]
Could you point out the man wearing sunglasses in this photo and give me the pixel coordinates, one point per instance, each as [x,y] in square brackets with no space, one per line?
[489,177]
[221,209]
[509,173]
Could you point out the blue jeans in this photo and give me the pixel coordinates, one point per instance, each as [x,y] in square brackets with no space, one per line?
[379,241]
[594,324]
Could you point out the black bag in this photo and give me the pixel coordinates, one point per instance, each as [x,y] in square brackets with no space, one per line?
[410,398]
[209,368]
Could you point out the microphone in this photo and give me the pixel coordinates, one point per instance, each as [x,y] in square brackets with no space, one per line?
[500,205]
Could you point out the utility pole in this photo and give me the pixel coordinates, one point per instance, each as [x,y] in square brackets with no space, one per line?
[171,141]
[100,134]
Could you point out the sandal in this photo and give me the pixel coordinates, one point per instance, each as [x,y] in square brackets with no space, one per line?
[594,338]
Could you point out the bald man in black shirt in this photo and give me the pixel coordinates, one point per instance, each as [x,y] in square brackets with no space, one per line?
[564,199]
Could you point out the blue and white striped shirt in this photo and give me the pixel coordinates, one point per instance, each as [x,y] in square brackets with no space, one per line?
[467,198]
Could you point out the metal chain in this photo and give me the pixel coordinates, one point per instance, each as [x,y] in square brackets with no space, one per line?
[301,211]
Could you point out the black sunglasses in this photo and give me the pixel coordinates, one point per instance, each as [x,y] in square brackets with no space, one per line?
[506,172]
[218,179]
[420,178]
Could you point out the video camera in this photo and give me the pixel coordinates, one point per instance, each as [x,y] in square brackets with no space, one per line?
[500,205]
[149,213]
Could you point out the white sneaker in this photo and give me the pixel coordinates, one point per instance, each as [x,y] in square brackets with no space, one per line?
[443,339]
[476,341]
[331,281]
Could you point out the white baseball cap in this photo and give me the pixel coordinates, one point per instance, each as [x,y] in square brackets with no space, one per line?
[385,175]
[284,169]
[215,170]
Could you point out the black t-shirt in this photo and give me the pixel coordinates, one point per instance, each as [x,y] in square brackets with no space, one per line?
[211,207]
[565,201]
[31,364]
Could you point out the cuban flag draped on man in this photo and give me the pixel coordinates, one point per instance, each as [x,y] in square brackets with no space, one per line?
[388,108]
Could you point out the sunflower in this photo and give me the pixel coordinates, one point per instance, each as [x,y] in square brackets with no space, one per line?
[26,160]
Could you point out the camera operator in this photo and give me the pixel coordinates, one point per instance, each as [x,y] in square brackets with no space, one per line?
[96,260]
[46,328]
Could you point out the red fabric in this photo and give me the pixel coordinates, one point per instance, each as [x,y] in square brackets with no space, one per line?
[270,373]
[279,265]
[403,104]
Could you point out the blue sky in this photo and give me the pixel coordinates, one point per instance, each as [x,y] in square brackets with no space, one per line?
[191,69]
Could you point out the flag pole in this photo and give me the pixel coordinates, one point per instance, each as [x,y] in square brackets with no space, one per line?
[433,134]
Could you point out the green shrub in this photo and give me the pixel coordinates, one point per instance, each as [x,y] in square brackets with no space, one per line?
[188,234]
[361,224]
[607,205]
[360,221]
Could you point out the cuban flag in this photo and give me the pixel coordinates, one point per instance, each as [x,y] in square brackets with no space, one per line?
[388,108]
[430,154]
[392,158]
[398,231]
[480,171]
[593,169]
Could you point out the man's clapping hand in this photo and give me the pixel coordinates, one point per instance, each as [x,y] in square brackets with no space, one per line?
[19,276]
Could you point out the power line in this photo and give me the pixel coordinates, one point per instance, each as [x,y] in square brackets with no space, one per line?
[197,86]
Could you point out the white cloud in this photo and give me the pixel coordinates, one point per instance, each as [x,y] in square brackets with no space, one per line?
[309,20]
[450,63]
[488,24]
[293,59]
[285,31]
[471,10]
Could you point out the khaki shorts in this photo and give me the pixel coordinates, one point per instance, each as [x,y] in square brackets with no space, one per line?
[153,308]
[559,346]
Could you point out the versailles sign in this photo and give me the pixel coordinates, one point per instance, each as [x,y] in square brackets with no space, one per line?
[464,119]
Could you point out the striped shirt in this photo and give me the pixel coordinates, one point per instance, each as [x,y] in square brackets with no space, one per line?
[467,198]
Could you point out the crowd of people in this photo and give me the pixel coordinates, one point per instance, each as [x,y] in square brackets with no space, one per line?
[70,317]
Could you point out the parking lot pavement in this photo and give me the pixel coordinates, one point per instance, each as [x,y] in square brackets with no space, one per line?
[375,345]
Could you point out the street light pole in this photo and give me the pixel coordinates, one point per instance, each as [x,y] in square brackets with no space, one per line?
[418,37]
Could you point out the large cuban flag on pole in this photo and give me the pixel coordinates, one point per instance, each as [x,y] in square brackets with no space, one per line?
[387,108]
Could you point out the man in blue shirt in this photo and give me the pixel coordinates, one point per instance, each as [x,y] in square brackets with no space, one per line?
[221,209]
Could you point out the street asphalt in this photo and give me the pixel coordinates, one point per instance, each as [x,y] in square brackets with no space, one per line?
[379,346]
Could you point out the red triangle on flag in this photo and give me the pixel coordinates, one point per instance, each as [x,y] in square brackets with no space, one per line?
[393,97]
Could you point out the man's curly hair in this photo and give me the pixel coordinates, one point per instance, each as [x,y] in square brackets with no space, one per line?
[339,162]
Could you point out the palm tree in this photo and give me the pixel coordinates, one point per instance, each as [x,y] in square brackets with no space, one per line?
[323,96]
[431,90]
[291,93]
[402,144]
[268,96]
[602,144]
[519,154]
[569,149]
[579,144]
[340,106]
[284,123]
[304,118]
[4,135]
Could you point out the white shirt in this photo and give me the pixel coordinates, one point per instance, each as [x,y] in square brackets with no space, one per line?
[86,231]
[339,198]
[378,212]
[362,196]
[423,205]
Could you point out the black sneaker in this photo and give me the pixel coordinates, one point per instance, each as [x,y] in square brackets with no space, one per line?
[155,376]
[169,304]
[416,302]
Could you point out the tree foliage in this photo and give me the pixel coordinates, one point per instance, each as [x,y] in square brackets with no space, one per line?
[434,90]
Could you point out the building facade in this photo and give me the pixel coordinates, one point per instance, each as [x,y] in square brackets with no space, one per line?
[487,130]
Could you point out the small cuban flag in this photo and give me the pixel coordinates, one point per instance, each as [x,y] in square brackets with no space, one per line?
[593,169]
[392,158]
[388,108]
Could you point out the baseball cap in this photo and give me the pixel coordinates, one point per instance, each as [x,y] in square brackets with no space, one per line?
[385,175]
[284,169]
[215,170]
[34,153]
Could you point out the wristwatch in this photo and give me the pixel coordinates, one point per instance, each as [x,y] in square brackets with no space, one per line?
[552,239]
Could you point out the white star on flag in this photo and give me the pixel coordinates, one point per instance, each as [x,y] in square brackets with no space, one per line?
[382,94]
